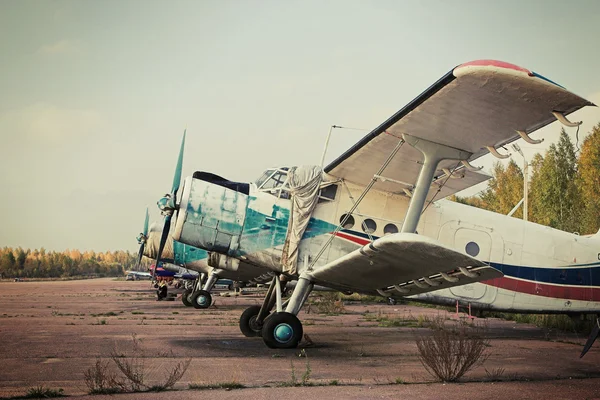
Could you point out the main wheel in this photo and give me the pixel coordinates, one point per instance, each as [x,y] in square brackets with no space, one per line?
[248,324]
[282,330]
[185,298]
[201,299]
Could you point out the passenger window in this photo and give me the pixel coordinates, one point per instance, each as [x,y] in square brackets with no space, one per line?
[390,229]
[472,249]
[369,226]
[349,222]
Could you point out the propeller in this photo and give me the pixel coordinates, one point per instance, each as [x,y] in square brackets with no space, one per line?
[593,335]
[142,238]
[167,205]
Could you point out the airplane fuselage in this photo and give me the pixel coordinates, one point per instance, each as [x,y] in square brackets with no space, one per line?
[545,270]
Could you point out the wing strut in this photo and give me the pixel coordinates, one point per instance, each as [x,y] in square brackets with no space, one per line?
[433,153]
[358,201]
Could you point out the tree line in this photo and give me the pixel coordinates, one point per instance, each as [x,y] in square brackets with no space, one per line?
[564,186]
[21,263]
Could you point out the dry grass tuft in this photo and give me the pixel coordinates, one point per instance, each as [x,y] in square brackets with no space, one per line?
[133,370]
[451,351]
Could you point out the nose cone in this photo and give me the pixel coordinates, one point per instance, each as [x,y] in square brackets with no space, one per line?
[154,235]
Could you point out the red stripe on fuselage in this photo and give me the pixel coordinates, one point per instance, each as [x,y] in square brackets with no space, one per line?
[583,293]
[355,239]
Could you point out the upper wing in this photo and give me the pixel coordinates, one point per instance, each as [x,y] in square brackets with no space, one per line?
[477,104]
[406,262]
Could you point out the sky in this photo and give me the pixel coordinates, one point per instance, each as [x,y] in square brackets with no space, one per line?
[95,95]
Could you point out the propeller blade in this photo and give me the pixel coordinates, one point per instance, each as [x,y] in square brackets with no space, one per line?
[146,222]
[178,168]
[593,336]
[163,242]
[140,254]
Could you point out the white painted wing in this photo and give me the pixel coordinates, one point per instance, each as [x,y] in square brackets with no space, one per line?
[413,263]
[477,104]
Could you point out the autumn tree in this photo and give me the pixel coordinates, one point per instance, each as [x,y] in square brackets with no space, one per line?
[588,181]
[50,264]
[555,195]
[505,190]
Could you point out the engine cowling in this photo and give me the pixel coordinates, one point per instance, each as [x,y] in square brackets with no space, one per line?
[210,216]
[153,241]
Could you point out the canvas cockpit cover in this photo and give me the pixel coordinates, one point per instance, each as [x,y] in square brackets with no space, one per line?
[304,184]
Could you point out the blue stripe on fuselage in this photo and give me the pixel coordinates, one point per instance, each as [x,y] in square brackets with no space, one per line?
[567,275]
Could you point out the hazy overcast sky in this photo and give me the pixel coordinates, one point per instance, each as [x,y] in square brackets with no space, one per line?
[95,94]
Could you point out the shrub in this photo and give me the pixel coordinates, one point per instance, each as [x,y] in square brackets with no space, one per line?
[100,380]
[450,351]
[134,370]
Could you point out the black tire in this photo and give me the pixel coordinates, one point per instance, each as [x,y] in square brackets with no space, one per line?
[248,324]
[291,335]
[185,298]
[201,299]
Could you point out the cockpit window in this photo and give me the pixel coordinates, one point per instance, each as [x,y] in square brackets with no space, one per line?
[274,181]
[328,193]
[264,177]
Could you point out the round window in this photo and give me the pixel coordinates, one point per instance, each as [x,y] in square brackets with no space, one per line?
[369,226]
[349,222]
[389,229]
[472,249]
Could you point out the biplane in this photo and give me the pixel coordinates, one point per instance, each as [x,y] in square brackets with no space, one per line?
[374,220]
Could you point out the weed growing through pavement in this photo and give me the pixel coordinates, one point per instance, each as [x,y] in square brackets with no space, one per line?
[40,392]
[494,375]
[219,385]
[294,381]
[133,370]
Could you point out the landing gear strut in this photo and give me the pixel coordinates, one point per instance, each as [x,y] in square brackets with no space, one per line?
[282,329]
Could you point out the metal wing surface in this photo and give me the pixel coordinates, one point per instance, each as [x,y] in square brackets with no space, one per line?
[477,104]
[404,262]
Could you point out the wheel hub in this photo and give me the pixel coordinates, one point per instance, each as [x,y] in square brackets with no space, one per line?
[254,325]
[202,300]
[283,333]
